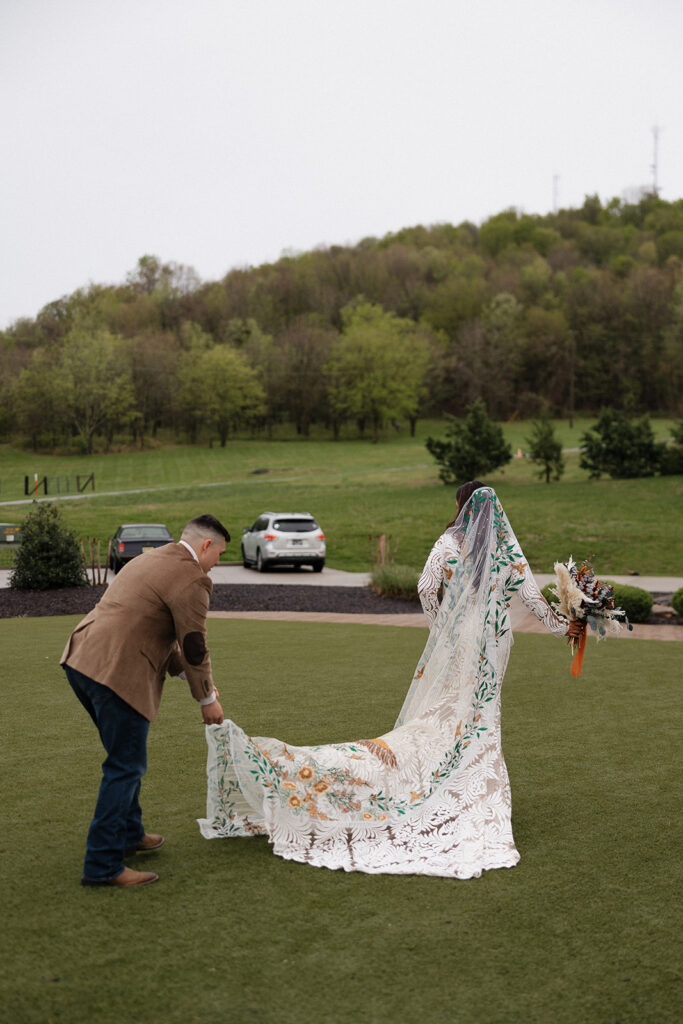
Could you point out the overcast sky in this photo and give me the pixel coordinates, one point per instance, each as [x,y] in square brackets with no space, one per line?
[220,133]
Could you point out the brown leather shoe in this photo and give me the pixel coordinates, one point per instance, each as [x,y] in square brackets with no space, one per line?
[148,843]
[127,878]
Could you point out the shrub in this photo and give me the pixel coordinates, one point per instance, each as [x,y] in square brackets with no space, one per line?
[677,602]
[472,447]
[620,446]
[49,555]
[671,460]
[636,602]
[395,581]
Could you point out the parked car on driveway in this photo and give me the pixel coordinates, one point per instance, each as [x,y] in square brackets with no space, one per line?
[132,539]
[283,538]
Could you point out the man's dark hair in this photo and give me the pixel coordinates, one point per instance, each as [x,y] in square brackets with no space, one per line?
[206,525]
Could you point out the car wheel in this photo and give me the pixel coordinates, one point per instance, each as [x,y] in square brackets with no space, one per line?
[245,562]
[318,566]
[261,563]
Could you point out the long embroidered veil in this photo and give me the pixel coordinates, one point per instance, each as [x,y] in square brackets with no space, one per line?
[308,798]
[473,608]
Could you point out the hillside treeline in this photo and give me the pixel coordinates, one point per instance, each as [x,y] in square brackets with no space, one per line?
[566,312]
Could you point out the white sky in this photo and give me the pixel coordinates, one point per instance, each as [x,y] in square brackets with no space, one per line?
[218,133]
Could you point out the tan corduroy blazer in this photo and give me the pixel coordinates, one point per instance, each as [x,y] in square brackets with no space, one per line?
[151,620]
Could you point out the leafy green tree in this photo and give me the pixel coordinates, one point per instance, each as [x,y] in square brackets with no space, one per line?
[499,357]
[260,350]
[377,368]
[472,447]
[302,351]
[191,382]
[152,357]
[233,395]
[49,555]
[620,446]
[38,398]
[95,384]
[545,449]
[545,352]
[216,386]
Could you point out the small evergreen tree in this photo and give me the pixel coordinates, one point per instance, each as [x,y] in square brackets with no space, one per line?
[473,447]
[620,446]
[49,556]
[545,449]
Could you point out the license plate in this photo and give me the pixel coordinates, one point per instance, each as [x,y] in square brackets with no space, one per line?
[295,543]
[147,549]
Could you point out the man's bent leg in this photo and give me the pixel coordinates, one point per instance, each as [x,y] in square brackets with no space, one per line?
[123,732]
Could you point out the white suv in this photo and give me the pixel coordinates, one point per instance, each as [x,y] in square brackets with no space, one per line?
[283,538]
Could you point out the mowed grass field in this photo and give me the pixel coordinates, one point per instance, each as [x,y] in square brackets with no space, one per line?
[358,490]
[583,929]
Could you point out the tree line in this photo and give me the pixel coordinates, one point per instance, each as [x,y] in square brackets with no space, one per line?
[555,314]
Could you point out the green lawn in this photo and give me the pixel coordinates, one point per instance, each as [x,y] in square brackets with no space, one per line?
[358,490]
[582,930]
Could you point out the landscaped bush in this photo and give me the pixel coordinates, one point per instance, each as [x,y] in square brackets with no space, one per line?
[636,602]
[677,602]
[620,446]
[395,581]
[671,460]
[472,447]
[49,556]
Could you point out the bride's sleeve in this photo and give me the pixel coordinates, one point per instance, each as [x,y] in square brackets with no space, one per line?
[430,581]
[531,596]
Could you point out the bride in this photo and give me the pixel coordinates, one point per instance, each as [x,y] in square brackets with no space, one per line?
[431,796]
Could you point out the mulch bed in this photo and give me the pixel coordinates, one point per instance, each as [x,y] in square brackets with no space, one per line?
[225,598]
[251,598]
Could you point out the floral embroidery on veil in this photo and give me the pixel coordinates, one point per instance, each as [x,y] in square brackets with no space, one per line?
[432,795]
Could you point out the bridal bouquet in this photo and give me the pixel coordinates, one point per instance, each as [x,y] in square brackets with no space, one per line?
[584,598]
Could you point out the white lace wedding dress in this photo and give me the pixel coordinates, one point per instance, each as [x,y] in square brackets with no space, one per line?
[432,795]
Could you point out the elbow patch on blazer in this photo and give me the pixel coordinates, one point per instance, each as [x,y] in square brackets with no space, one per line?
[194,648]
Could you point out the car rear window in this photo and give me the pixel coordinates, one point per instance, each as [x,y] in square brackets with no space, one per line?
[295,525]
[144,533]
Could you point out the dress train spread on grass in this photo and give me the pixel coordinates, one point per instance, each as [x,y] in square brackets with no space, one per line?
[431,796]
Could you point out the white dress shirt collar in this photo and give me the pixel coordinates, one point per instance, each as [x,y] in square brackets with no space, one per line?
[190,549]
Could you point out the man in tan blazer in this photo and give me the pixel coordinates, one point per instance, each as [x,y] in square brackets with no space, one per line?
[150,622]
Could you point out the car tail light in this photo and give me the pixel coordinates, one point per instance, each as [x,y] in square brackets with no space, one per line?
[270,536]
[321,536]
[122,546]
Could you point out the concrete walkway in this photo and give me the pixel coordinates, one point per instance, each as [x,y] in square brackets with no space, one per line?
[522,621]
[236,575]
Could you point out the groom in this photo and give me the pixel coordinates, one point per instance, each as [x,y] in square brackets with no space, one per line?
[151,620]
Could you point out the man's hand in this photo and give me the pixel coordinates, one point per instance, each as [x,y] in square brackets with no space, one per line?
[212,714]
[576,630]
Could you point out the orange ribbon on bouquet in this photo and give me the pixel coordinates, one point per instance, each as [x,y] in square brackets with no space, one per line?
[578,657]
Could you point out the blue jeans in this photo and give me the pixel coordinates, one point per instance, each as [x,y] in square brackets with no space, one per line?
[117,822]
